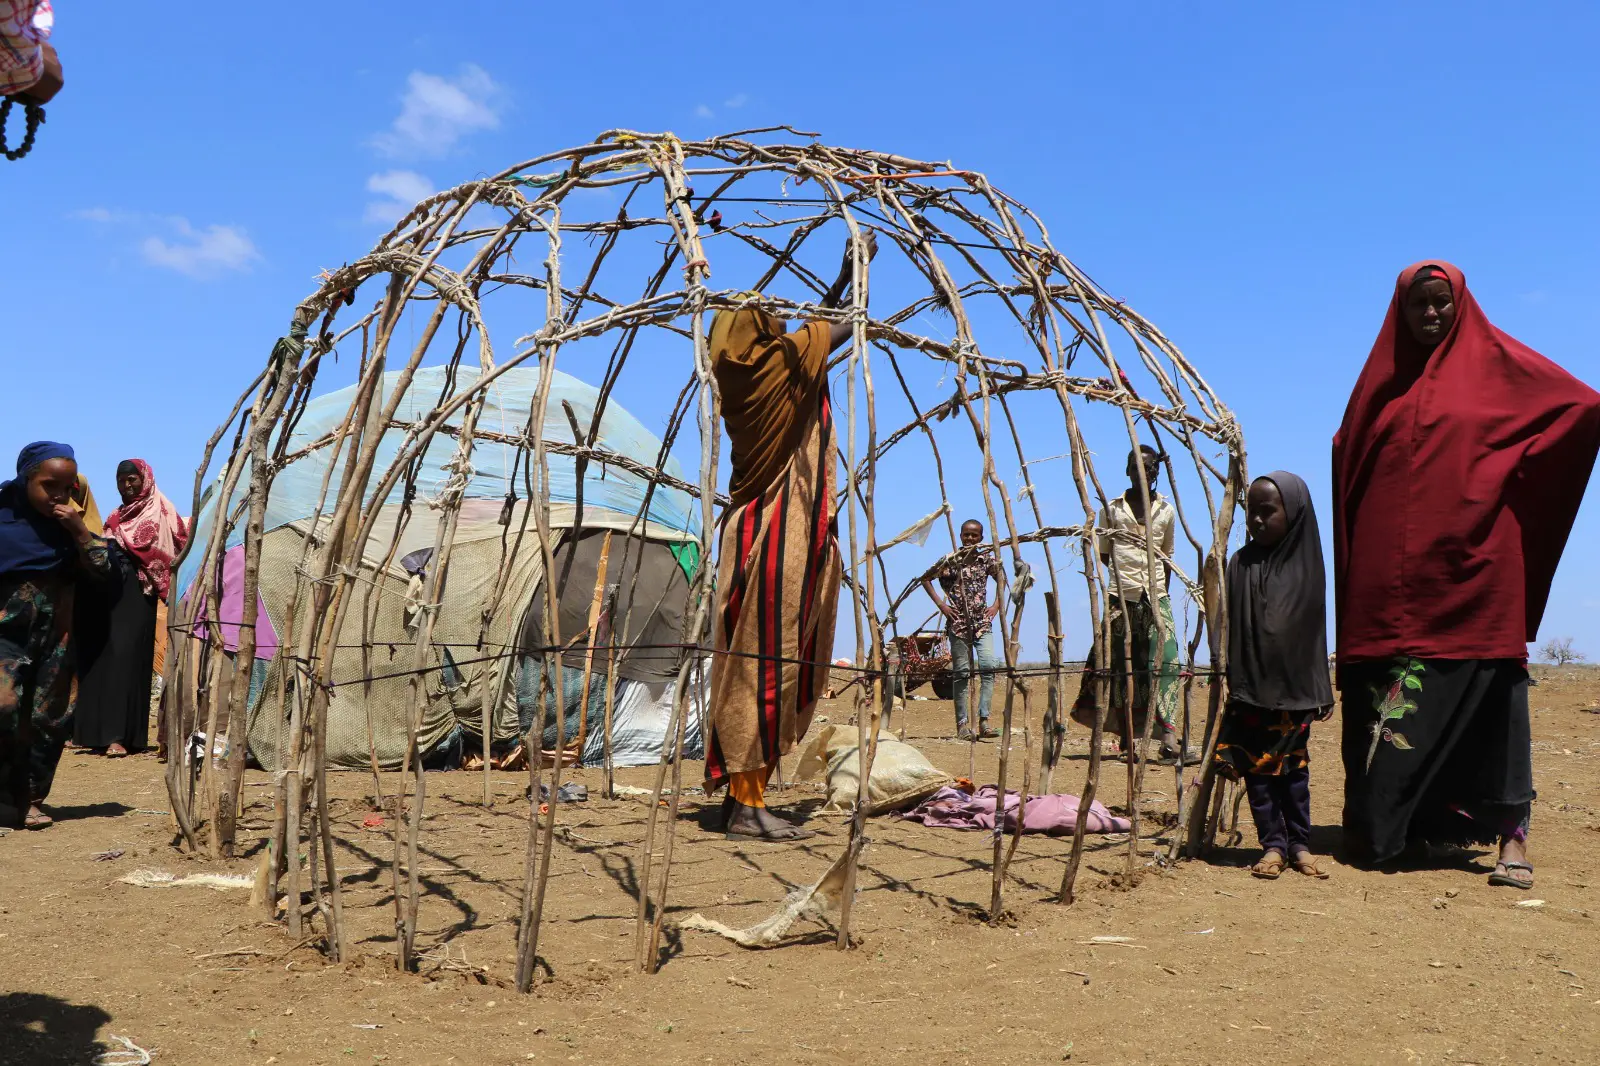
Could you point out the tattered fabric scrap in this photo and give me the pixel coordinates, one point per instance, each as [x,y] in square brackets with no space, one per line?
[1055,814]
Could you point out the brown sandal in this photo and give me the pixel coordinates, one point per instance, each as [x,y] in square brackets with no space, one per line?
[1306,865]
[1269,868]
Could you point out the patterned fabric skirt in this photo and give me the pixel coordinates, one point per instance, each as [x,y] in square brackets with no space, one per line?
[36,683]
[1266,743]
[1156,670]
[777,597]
[1436,750]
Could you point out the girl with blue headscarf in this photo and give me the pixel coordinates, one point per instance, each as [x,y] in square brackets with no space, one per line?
[45,548]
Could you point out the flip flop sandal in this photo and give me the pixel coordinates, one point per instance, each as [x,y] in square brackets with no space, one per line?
[38,821]
[1505,880]
[1309,868]
[1267,869]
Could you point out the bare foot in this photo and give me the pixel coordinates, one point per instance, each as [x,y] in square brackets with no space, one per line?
[116,751]
[37,819]
[758,823]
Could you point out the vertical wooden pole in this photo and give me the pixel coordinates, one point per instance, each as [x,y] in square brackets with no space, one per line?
[998,862]
[1054,721]
[865,613]
[686,226]
[1193,823]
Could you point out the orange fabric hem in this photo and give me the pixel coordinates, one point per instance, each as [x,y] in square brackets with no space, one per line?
[749,787]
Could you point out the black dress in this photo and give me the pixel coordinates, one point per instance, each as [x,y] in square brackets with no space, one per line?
[117,628]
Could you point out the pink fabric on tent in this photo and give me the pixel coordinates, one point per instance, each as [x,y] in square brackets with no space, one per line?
[232,609]
[1055,814]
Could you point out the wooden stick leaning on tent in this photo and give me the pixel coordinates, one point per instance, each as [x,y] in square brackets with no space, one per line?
[611,695]
[592,632]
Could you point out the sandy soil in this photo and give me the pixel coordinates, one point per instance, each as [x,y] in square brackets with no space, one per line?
[1421,967]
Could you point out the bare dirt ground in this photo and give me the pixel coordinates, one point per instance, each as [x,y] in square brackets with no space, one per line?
[1420,967]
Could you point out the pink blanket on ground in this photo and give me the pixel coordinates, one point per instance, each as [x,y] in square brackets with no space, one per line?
[1054,815]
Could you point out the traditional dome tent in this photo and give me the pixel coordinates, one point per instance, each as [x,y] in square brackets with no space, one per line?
[972,302]
[488,602]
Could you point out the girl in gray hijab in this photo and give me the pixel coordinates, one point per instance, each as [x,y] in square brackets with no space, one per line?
[1277,668]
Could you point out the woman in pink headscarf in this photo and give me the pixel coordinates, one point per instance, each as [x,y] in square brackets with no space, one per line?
[114,694]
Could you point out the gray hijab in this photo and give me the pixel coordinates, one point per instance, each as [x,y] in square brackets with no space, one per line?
[1277,613]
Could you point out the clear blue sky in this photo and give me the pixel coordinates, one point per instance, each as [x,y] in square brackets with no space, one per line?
[1251,178]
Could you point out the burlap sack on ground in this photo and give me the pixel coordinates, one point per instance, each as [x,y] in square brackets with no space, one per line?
[900,777]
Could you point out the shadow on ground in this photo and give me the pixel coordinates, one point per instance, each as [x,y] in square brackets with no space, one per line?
[41,1030]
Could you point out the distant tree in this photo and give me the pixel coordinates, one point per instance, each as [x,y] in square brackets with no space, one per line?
[1558,650]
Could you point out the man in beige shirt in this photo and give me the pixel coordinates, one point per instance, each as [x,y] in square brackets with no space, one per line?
[1123,552]
[1154,661]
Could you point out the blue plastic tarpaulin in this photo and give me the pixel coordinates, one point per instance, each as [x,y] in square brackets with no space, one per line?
[509,401]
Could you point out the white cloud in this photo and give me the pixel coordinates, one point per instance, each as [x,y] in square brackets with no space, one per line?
[436,112]
[171,241]
[200,253]
[406,185]
[399,191]
[736,101]
[702,111]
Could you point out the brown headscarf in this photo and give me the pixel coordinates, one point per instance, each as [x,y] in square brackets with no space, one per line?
[83,501]
[769,381]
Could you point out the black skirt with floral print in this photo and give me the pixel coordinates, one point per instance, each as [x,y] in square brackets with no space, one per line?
[1435,750]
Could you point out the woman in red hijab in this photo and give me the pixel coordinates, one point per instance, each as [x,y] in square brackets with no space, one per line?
[1457,475]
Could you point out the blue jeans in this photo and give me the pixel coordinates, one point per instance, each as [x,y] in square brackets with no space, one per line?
[962,656]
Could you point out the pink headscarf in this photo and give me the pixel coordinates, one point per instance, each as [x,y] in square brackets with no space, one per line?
[151,531]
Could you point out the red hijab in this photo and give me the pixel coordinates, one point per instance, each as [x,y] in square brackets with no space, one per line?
[1457,474]
[151,531]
